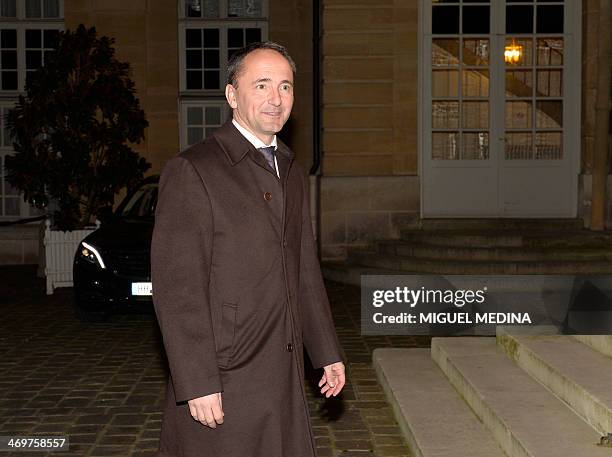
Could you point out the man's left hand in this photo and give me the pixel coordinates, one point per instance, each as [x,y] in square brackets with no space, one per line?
[333,379]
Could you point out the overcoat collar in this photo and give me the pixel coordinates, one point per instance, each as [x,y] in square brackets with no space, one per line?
[236,146]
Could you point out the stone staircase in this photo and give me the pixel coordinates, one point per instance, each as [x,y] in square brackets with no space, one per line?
[486,246]
[517,395]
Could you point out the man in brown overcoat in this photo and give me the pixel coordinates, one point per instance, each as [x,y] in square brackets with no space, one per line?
[237,286]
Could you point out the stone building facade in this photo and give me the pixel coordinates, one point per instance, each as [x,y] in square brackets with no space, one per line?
[381,65]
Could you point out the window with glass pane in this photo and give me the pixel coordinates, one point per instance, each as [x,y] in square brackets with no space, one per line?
[445,94]
[224,8]
[42,9]
[202,8]
[549,19]
[549,145]
[445,19]
[8,8]
[39,45]
[204,64]
[202,58]
[519,145]
[239,37]
[4,131]
[534,81]
[445,145]
[519,18]
[475,19]
[244,8]
[8,59]
[475,145]
[202,121]
[214,30]
[9,196]
[460,80]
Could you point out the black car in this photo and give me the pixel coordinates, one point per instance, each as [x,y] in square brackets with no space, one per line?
[112,266]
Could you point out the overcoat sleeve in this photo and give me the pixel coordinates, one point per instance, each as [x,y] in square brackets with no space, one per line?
[318,328]
[181,251]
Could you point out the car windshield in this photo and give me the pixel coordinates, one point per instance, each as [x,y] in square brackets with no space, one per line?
[141,205]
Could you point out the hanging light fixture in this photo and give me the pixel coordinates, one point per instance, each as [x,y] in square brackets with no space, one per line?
[513,53]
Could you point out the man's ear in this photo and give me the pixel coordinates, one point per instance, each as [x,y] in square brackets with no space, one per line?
[230,96]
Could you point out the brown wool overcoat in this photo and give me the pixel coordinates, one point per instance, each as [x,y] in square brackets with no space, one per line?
[238,293]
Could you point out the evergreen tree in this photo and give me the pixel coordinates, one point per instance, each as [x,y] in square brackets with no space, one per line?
[71,130]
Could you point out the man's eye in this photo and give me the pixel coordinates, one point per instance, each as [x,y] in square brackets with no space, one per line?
[261,86]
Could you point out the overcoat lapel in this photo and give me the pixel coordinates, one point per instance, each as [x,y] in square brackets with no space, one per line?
[239,149]
[284,160]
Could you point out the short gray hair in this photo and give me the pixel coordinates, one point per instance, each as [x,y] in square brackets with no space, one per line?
[234,66]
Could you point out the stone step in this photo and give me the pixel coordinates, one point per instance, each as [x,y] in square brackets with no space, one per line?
[571,370]
[522,415]
[507,253]
[501,224]
[434,419]
[459,266]
[484,239]
[456,238]
[601,343]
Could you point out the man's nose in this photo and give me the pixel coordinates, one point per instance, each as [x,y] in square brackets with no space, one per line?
[275,98]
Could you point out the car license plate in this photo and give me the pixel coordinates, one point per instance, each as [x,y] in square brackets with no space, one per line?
[141,288]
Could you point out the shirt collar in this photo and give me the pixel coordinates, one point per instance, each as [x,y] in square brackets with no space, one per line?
[256,142]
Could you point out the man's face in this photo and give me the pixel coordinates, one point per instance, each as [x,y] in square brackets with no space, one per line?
[263,99]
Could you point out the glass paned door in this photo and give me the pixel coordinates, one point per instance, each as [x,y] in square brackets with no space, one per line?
[460,99]
[533,59]
[460,77]
[497,138]
[541,150]
[458,166]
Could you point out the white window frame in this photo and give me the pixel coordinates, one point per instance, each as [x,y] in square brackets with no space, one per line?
[9,97]
[21,14]
[210,97]
[21,49]
[200,103]
[223,6]
[222,26]
[24,208]
[4,152]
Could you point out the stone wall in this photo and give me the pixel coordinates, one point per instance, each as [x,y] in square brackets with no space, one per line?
[370,58]
[590,69]
[584,200]
[356,210]
[369,185]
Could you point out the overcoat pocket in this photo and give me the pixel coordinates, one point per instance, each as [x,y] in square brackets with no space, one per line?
[228,330]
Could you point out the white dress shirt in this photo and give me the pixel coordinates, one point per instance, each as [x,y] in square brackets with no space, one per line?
[257,142]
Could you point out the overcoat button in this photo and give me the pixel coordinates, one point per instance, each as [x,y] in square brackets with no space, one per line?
[289,347]
[284,242]
[268,196]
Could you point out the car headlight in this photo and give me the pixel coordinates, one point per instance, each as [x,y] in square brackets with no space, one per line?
[90,254]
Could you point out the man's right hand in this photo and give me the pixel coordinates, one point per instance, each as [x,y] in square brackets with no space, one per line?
[207,410]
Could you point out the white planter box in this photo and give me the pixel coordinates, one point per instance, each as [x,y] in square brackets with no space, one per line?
[58,254]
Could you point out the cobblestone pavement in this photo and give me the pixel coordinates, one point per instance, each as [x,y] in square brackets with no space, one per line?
[103,384]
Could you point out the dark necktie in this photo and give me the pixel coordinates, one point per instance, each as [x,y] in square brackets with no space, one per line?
[268,153]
